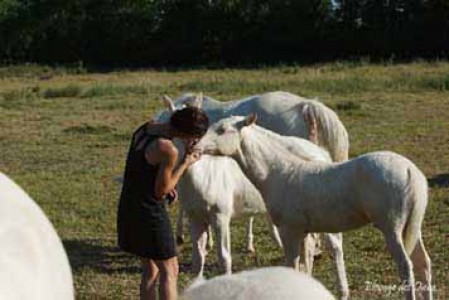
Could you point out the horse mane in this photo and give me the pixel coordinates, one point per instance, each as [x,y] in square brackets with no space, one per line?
[300,148]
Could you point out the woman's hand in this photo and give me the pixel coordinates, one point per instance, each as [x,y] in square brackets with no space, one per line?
[190,145]
[172,197]
[192,157]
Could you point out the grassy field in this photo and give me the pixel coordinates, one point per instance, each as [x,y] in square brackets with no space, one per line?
[64,136]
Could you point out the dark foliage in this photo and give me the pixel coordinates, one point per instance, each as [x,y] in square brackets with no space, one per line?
[175,32]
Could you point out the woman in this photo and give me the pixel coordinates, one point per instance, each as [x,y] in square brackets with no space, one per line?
[151,174]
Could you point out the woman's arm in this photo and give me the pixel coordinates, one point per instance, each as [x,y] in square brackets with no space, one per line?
[169,174]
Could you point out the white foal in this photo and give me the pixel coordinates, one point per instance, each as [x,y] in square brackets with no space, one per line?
[382,188]
[214,192]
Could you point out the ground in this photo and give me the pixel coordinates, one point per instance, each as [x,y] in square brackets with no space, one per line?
[64,135]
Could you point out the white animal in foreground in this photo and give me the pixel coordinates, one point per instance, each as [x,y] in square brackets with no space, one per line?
[273,283]
[279,111]
[382,188]
[33,262]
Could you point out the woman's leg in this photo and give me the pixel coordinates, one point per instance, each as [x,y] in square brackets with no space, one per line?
[168,286]
[150,274]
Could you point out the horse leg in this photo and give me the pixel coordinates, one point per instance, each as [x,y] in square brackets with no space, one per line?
[334,242]
[198,234]
[210,239]
[422,268]
[274,232]
[308,251]
[180,226]
[249,236]
[395,245]
[318,247]
[223,234]
[291,239]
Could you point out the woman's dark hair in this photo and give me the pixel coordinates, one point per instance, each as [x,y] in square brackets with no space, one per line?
[190,121]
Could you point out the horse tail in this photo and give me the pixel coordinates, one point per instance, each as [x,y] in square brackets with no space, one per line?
[326,129]
[417,193]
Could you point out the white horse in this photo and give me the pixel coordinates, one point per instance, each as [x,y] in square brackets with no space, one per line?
[382,188]
[280,112]
[33,262]
[213,192]
[262,284]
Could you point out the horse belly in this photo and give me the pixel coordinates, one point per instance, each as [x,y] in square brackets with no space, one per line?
[336,222]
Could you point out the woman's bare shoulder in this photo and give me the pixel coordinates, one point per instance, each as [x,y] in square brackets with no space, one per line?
[165,146]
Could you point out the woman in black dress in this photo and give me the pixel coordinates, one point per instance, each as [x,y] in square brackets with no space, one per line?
[151,174]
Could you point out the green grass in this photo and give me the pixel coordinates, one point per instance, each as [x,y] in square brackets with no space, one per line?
[64,137]
[115,90]
[69,91]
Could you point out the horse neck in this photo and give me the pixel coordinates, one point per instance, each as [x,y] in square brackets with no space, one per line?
[262,154]
[215,109]
[211,103]
[238,107]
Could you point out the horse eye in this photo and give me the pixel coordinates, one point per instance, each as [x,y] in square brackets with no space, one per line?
[229,131]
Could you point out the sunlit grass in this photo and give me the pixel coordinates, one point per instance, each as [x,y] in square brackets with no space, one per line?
[64,136]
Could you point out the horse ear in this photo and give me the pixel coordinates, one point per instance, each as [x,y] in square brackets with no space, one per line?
[168,103]
[250,119]
[198,100]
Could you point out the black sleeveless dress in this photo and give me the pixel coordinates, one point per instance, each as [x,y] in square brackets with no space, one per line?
[143,225]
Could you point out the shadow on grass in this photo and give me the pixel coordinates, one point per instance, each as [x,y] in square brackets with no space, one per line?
[440,180]
[92,254]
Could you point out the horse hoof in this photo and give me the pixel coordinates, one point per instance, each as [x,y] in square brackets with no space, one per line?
[317,254]
[179,240]
[209,246]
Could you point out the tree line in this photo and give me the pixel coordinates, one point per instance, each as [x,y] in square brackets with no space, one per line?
[174,32]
